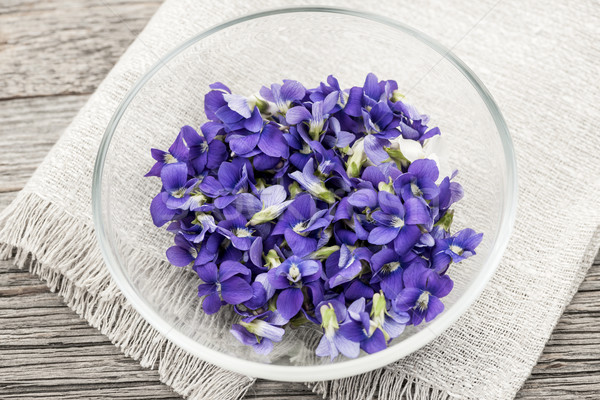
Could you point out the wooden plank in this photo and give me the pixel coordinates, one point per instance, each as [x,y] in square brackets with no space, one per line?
[64,47]
[47,351]
[569,367]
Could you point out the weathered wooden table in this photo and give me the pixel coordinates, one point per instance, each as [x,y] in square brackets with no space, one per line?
[53,55]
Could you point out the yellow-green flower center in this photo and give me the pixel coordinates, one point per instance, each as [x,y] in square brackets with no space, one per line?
[455,249]
[423,301]
[416,190]
[330,322]
[199,197]
[169,159]
[390,267]
[243,232]
[294,272]
[179,193]
[397,222]
[299,227]
[272,260]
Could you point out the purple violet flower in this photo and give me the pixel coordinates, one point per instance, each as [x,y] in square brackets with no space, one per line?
[176,184]
[329,162]
[423,288]
[387,270]
[331,313]
[260,331]
[419,181]
[363,199]
[316,117]
[235,228]
[290,276]
[159,211]
[262,291]
[373,89]
[214,100]
[312,184]
[324,90]
[268,140]
[183,253]
[223,285]
[345,265]
[232,110]
[380,126]
[301,225]
[398,222]
[178,152]
[233,178]
[458,247]
[284,95]
[204,153]
[200,226]
[390,322]
[339,138]
[361,329]
[271,204]
[450,193]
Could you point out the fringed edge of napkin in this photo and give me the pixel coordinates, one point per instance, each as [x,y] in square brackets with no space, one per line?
[381,384]
[64,253]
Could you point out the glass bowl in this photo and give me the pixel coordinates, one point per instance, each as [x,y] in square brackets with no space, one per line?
[305,44]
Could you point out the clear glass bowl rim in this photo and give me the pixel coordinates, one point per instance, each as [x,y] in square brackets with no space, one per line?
[339,369]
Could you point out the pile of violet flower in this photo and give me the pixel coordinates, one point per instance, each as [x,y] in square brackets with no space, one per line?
[317,206]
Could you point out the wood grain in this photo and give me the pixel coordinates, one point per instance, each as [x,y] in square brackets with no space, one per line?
[47,351]
[53,54]
[64,47]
